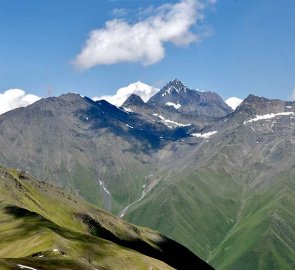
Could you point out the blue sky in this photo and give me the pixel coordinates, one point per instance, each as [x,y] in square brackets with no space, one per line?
[239,47]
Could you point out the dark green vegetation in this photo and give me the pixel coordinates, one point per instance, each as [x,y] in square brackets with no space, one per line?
[45,228]
[228,197]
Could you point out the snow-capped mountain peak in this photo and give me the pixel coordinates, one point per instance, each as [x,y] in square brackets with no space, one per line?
[177,95]
[175,86]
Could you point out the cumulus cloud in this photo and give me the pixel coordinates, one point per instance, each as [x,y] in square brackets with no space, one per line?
[14,98]
[144,40]
[143,90]
[233,102]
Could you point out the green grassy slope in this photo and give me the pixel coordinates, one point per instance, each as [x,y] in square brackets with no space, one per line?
[230,198]
[194,205]
[264,237]
[230,226]
[46,228]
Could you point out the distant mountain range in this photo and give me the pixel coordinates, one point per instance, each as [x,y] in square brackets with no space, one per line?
[221,182]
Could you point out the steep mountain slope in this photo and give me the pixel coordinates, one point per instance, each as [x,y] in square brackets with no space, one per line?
[175,105]
[72,138]
[177,95]
[113,149]
[222,186]
[241,182]
[43,227]
[134,100]
[167,115]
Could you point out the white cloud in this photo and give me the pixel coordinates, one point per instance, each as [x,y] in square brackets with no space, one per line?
[119,12]
[293,94]
[141,89]
[143,41]
[14,98]
[233,102]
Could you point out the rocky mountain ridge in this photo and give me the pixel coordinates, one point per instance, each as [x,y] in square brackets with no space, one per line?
[215,181]
[178,96]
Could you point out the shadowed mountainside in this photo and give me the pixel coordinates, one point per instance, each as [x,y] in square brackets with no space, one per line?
[44,227]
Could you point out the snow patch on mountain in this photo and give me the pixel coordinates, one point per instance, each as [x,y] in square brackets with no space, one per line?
[169,91]
[170,123]
[267,116]
[176,106]
[143,90]
[204,135]
[177,86]
[129,126]
[128,110]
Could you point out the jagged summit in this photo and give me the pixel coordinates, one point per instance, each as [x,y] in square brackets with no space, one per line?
[175,86]
[176,95]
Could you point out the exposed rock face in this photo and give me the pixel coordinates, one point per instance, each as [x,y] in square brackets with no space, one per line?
[190,101]
[183,164]
[133,100]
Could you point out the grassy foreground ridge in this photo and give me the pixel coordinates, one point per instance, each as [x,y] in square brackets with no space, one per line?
[43,227]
